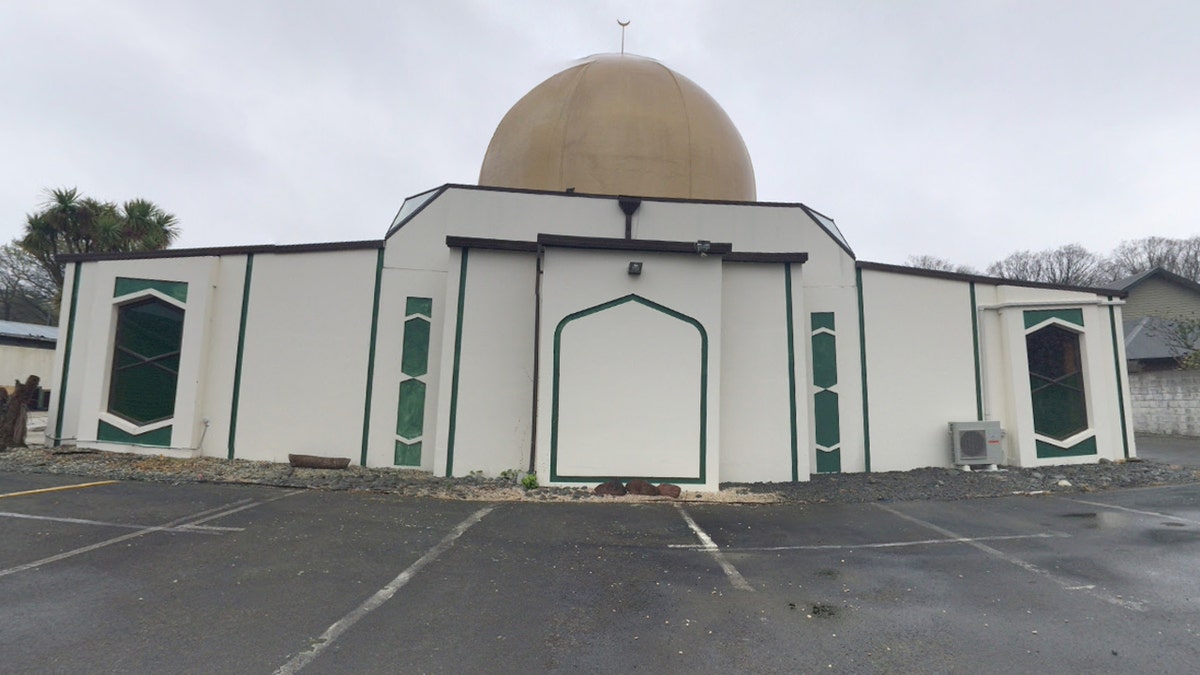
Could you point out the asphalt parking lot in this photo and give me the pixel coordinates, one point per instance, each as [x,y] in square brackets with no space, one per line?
[146,577]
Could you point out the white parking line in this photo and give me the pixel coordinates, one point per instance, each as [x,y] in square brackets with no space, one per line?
[381,596]
[192,519]
[1156,514]
[101,523]
[1134,605]
[707,544]
[889,544]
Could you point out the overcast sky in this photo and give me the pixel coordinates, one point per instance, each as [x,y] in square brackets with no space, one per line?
[962,129]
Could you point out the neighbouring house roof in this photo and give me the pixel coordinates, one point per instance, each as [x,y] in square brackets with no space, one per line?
[1146,338]
[1128,283]
[29,331]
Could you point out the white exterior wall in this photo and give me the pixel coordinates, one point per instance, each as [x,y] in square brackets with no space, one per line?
[397,286]
[91,353]
[304,368]
[216,382]
[756,395]
[920,365]
[494,404]
[67,408]
[574,281]
[1007,394]
[18,363]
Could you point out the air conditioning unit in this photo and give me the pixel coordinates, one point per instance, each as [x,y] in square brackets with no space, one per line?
[977,442]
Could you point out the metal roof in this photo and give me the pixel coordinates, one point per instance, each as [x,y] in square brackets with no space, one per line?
[28,331]
[1146,338]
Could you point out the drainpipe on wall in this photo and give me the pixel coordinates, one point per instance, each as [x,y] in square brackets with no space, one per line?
[537,340]
[629,206]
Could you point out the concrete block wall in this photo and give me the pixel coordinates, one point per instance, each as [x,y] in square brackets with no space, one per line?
[1166,402]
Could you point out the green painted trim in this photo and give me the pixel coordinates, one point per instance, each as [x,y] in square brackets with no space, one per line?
[791,350]
[241,350]
[172,289]
[862,349]
[1035,316]
[978,368]
[159,438]
[371,357]
[554,476]
[1112,324]
[1081,449]
[66,366]
[458,329]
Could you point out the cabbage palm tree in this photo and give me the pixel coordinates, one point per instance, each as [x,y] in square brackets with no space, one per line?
[72,223]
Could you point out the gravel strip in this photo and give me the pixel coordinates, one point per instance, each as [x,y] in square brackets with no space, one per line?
[937,484]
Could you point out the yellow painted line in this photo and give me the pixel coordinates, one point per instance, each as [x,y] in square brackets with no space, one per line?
[60,488]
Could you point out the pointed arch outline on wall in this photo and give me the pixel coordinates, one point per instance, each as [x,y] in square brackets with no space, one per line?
[632,297]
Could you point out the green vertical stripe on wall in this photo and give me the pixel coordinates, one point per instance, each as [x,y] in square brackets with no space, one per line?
[366,433]
[978,371]
[66,366]
[862,349]
[791,350]
[241,348]
[1112,324]
[458,328]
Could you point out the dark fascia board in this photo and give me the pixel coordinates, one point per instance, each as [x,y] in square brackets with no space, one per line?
[979,278]
[1156,273]
[394,228]
[752,257]
[224,250]
[589,195]
[615,244]
[492,244]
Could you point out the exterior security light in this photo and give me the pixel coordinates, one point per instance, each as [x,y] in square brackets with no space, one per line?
[702,246]
[635,268]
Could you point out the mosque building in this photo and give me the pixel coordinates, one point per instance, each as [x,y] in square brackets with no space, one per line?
[610,301]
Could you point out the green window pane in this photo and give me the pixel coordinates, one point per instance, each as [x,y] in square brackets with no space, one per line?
[160,437]
[408,454]
[1085,447]
[824,354]
[414,360]
[822,320]
[146,361]
[829,461]
[1033,318]
[423,306]
[1056,382]
[827,422]
[410,417]
[171,289]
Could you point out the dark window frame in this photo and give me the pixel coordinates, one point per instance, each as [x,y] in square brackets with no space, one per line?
[117,371]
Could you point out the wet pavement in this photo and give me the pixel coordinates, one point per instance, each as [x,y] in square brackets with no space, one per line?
[1181,450]
[141,577]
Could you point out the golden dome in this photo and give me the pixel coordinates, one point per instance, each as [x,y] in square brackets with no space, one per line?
[619,124]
